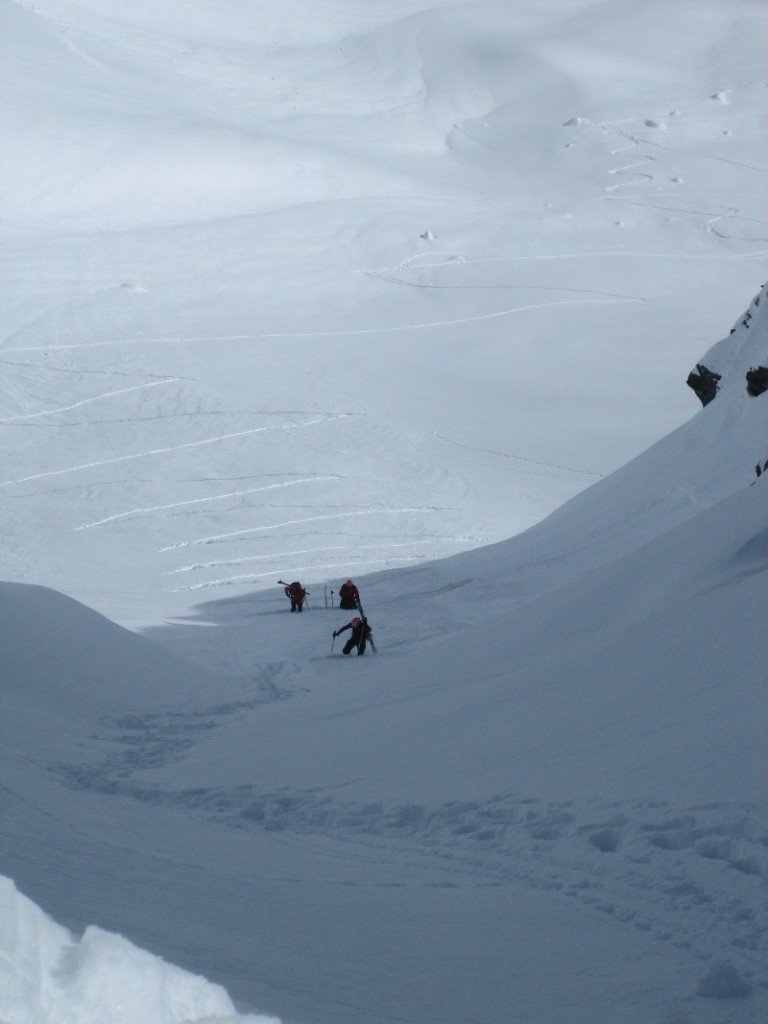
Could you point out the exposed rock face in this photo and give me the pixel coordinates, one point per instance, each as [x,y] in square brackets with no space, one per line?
[723,367]
[757,380]
[704,382]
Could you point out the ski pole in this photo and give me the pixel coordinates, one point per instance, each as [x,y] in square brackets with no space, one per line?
[333,641]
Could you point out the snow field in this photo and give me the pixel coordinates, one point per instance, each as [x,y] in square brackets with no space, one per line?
[407,293]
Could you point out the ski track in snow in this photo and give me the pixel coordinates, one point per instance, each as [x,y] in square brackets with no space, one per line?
[222,537]
[522,458]
[336,333]
[175,448]
[420,259]
[634,139]
[87,401]
[217,563]
[136,513]
[688,876]
[297,570]
[389,277]
[712,217]
[649,200]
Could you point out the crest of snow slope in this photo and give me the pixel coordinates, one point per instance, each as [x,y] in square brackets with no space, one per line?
[598,739]
[352,291]
[47,976]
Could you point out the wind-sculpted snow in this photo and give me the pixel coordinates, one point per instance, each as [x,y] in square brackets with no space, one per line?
[48,976]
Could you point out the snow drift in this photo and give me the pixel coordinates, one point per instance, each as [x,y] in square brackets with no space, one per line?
[47,976]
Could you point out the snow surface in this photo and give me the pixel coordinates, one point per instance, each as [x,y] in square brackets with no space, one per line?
[50,977]
[311,297]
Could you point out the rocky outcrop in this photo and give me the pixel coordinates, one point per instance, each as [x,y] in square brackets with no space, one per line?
[724,366]
[757,380]
[704,382]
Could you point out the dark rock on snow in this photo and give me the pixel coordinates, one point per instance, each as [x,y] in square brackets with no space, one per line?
[704,382]
[757,380]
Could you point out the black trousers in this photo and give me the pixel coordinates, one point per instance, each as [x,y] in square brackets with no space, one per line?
[352,643]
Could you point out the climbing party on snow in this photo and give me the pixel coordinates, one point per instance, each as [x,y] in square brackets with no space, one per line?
[361,634]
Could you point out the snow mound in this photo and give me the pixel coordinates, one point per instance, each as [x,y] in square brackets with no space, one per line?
[40,627]
[48,976]
[723,982]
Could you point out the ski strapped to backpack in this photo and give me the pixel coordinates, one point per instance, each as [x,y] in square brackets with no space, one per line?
[296,592]
[363,637]
[291,586]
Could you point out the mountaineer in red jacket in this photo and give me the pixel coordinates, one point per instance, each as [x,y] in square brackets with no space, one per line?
[348,595]
[296,594]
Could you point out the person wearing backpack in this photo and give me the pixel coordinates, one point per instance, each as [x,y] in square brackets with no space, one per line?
[361,635]
[296,594]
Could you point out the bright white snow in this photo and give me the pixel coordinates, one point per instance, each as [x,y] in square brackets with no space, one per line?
[311,296]
[49,977]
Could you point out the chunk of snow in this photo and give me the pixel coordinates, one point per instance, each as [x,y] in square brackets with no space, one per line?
[48,976]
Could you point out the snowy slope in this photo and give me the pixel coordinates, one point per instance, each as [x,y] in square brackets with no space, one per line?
[357,291]
[314,297]
[594,758]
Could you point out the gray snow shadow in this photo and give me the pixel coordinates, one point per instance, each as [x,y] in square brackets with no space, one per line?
[655,869]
